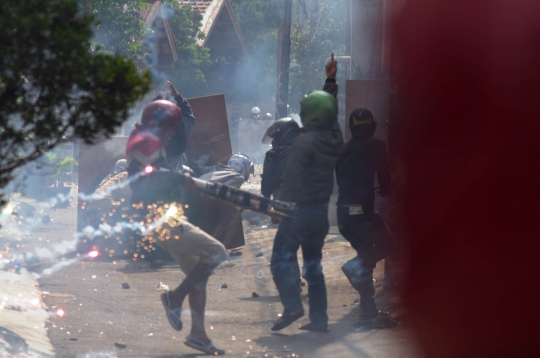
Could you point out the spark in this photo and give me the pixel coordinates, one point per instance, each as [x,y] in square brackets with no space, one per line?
[34,301]
[172,211]
[60,313]
[148,169]
[93,254]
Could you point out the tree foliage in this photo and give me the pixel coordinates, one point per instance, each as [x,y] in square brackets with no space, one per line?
[309,46]
[312,42]
[54,87]
[258,20]
[189,73]
[120,27]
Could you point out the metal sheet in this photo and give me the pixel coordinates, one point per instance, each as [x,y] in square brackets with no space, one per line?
[95,163]
[211,132]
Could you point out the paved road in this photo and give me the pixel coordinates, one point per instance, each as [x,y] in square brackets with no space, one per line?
[104,320]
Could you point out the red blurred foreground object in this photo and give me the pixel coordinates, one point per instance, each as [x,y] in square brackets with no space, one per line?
[469,77]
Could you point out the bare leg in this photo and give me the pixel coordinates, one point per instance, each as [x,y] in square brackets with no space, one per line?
[198,274]
[197,303]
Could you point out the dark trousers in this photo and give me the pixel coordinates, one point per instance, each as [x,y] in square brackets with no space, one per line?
[370,237]
[308,232]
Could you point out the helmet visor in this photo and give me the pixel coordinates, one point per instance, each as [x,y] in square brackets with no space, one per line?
[269,135]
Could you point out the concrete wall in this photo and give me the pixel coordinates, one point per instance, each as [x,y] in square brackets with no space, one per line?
[367,19]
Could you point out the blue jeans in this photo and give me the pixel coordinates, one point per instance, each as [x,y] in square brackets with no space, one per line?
[308,232]
[370,237]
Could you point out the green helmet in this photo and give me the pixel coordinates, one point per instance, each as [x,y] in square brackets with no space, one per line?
[318,108]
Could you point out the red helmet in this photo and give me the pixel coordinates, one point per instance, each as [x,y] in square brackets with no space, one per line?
[144,147]
[160,113]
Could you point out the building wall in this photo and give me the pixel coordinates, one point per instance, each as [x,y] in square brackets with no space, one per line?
[367,37]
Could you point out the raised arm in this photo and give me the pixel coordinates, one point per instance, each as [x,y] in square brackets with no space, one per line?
[187,112]
[330,85]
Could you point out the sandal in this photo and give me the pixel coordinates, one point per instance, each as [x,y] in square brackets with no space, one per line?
[206,348]
[286,319]
[173,315]
[235,253]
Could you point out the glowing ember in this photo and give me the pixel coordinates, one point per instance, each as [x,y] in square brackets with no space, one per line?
[172,211]
[93,254]
[148,169]
[60,313]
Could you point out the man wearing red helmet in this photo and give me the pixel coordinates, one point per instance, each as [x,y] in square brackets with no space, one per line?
[158,193]
[175,147]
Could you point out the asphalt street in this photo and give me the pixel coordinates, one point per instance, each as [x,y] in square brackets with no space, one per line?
[103,319]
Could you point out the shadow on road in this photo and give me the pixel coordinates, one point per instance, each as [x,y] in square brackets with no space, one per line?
[311,342]
[260,299]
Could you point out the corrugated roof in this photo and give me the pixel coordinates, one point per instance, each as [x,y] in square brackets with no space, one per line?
[149,14]
[199,5]
[163,41]
[210,11]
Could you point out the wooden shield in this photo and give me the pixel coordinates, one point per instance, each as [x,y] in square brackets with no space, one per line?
[211,135]
[211,132]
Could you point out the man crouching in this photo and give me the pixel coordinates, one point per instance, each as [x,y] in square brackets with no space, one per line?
[157,193]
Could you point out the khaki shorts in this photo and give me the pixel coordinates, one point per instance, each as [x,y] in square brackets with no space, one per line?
[188,245]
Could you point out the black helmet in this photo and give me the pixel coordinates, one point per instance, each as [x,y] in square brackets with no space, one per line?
[279,128]
[361,123]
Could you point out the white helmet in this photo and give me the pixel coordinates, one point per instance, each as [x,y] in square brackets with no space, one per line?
[120,166]
[242,164]
[255,110]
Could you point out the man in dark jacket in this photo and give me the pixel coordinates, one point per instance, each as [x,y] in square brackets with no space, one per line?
[308,181]
[360,159]
[281,135]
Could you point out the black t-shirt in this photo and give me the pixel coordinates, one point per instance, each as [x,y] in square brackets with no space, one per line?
[359,160]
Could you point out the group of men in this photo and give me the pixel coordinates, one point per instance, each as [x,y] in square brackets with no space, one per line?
[113,199]
[299,168]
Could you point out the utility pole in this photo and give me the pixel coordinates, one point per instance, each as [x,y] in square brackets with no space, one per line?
[284,57]
[313,24]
